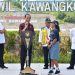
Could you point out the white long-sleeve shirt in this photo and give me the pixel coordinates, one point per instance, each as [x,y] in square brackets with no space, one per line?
[72,38]
[40,35]
[2,37]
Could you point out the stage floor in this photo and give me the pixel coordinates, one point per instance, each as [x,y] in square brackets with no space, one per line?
[14,69]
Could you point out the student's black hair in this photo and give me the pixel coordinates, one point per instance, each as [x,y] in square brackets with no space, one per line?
[57,25]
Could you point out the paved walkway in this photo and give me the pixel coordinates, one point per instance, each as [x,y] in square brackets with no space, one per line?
[14,69]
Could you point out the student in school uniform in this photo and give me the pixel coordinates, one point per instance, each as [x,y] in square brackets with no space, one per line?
[54,47]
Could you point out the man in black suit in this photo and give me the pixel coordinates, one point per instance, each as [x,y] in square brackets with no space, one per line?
[22,28]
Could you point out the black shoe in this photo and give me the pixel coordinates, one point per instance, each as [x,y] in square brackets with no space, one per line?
[51,71]
[3,67]
[69,68]
[45,67]
[57,72]
[22,69]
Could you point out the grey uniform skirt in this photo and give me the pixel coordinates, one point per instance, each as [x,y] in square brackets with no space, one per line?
[54,51]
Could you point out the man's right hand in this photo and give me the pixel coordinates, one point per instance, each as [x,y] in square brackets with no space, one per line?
[26,26]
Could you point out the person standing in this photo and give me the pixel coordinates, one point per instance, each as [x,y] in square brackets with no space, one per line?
[22,28]
[72,38]
[54,47]
[43,38]
[2,42]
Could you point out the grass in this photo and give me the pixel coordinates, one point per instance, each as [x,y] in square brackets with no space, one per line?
[61,21]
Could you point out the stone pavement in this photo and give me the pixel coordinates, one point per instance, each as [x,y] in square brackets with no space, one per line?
[14,69]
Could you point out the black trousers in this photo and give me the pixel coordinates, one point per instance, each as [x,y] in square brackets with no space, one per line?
[72,61]
[23,55]
[1,55]
[45,50]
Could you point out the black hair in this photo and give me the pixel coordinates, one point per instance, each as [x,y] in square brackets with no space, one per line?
[26,15]
[57,25]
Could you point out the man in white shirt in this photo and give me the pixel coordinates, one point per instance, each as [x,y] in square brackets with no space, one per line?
[2,42]
[43,37]
[72,38]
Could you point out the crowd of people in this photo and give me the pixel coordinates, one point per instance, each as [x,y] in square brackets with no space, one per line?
[49,40]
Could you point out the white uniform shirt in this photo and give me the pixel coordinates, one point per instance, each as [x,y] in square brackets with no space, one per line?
[2,37]
[72,38]
[40,35]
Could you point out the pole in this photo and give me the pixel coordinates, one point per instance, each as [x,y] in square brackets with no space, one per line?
[54,1]
[27,6]
[27,59]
